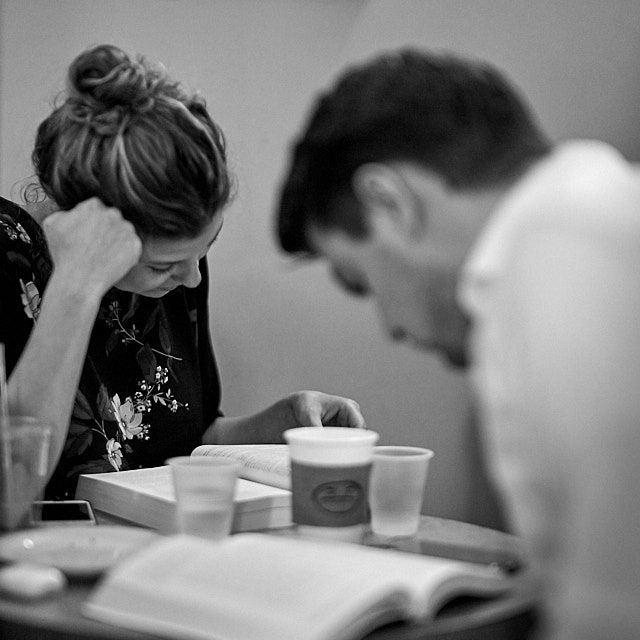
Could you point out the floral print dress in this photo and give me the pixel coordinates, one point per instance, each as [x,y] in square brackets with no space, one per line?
[149,386]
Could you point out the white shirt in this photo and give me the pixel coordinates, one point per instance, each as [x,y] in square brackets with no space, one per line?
[553,289]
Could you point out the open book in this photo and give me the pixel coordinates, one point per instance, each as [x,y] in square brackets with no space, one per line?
[146,497]
[266,463]
[256,586]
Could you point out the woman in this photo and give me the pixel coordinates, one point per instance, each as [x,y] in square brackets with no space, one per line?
[104,300]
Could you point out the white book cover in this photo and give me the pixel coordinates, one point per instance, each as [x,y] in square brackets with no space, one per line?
[146,497]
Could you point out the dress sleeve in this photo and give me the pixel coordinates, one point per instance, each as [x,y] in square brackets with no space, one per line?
[24,267]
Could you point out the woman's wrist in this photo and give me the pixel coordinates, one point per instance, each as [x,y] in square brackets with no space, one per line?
[254,429]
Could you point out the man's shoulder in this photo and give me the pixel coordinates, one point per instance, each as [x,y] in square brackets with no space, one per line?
[583,185]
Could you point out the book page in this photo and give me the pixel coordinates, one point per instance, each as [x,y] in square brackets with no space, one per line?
[294,588]
[266,463]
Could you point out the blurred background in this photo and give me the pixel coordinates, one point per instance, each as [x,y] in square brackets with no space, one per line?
[279,326]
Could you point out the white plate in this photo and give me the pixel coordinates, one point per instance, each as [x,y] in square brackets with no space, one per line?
[78,551]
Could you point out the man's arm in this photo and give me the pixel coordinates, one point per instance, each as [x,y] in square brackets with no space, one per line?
[579,312]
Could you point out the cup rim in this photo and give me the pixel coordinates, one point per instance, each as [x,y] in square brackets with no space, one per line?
[19,421]
[405,451]
[202,461]
[27,426]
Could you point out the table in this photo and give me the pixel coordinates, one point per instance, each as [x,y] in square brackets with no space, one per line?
[512,617]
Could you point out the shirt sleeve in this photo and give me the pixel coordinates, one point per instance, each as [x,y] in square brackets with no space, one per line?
[576,360]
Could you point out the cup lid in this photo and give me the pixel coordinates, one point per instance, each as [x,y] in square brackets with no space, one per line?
[331,445]
[321,436]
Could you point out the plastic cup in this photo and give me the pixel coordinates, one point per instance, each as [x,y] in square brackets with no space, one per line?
[330,468]
[396,489]
[24,452]
[205,489]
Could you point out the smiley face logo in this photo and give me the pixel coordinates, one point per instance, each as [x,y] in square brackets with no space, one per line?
[339,496]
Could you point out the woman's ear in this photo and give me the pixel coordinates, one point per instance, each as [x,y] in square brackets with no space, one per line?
[388,200]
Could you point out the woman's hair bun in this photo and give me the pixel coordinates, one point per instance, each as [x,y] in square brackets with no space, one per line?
[105,77]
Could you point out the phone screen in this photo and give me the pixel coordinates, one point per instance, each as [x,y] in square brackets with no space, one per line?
[63,511]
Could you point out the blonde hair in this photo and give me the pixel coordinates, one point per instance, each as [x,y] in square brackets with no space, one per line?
[128,134]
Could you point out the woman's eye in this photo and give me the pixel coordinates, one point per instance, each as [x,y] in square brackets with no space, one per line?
[160,269]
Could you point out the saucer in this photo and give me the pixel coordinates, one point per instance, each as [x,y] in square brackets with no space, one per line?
[81,551]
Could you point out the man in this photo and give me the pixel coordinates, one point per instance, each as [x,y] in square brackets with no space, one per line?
[424,181]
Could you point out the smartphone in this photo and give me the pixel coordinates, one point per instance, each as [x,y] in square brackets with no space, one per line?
[61,512]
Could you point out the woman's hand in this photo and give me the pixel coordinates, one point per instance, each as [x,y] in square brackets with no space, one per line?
[316,409]
[299,409]
[92,246]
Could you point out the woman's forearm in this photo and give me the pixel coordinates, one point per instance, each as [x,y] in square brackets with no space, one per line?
[44,382]
[301,408]
[92,247]
[257,428]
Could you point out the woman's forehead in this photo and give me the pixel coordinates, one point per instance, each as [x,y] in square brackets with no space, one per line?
[176,249]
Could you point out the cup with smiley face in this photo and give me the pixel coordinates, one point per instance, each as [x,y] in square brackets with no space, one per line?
[330,469]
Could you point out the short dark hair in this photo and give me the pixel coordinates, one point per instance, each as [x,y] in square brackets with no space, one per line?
[127,133]
[459,118]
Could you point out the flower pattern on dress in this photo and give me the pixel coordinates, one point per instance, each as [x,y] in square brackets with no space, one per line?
[31,299]
[133,334]
[129,416]
[15,231]
[114,454]
[129,420]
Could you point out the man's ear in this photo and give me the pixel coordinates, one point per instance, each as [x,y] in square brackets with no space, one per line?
[388,199]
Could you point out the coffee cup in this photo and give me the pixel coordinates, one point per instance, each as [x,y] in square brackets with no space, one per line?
[330,469]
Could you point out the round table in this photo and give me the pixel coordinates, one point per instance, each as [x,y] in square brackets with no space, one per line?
[511,617]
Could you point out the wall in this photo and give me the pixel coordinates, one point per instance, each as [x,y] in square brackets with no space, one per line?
[279,326]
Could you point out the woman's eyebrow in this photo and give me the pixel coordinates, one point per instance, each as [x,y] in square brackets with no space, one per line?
[164,263]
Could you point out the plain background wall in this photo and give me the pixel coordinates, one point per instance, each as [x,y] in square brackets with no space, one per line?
[279,326]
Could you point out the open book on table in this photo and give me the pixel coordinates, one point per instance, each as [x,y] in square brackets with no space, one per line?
[266,463]
[146,497]
[255,586]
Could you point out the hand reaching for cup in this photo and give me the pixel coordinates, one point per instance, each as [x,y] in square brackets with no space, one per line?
[92,246]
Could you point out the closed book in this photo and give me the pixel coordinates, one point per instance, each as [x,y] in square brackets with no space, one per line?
[146,497]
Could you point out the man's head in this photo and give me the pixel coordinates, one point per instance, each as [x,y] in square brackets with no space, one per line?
[394,176]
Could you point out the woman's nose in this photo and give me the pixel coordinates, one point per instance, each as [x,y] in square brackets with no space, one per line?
[190,275]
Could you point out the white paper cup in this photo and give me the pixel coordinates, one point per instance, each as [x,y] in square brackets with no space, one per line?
[24,452]
[396,489]
[205,489]
[330,468]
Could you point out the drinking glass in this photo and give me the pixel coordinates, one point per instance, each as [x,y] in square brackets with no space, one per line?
[205,489]
[24,452]
[396,489]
